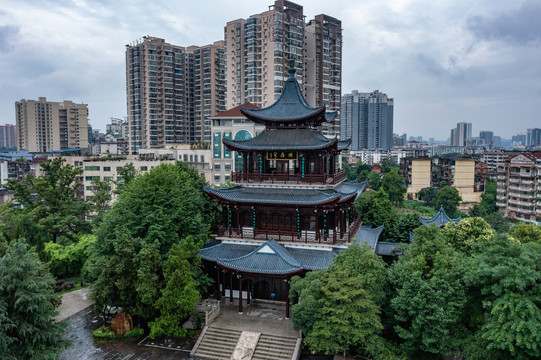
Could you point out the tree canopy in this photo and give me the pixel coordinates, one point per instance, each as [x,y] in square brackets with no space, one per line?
[156,211]
[449,198]
[27,307]
[339,308]
[51,207]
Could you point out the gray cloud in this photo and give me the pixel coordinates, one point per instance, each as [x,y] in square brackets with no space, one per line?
[521,26]
[7,33]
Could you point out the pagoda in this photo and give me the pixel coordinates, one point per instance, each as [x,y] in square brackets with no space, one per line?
[291,210]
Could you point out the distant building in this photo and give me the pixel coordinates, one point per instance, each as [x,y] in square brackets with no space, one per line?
[8,136]
[487,137]
[45,126]
[260,47]
[464,174]
[493,160]
[230,124]
[519,192]
[172,91]
[533,137]
[518,140]
[400,140]
[367,119]
[461,135]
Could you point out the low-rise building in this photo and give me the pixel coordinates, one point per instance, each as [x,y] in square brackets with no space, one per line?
[464,174]
[519,186]
[230,124]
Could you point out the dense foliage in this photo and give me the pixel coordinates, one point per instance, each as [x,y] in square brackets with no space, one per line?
[27,302]
[51,207]
[160,219]
[339,309]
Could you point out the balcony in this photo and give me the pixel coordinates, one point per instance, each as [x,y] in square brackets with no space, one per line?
[312,179]
[304,236]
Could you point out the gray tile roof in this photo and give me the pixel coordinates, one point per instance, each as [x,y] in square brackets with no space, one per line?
[287,196]
[388,248]
[285,140]
[290,107]
[439,219]
[369,235]
[267,258]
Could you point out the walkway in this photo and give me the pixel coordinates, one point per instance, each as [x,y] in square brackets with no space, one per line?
[73,302]
[262,317]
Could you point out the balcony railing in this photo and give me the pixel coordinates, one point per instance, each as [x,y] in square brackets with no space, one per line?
[304,236]
[331,179]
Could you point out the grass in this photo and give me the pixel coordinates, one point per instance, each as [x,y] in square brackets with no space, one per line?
[76,280]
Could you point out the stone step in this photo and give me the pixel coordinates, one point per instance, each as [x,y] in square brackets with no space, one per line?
[272,347]
[217,344]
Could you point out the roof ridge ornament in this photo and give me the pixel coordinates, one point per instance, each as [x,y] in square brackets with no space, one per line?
[292,70]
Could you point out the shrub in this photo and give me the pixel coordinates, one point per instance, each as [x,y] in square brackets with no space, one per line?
[68,285]
[107,334]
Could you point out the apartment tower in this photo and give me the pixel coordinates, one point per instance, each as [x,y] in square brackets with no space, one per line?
[367,119]
[44,126]
[8,136]
[172,91]
[259,50]
[461,135]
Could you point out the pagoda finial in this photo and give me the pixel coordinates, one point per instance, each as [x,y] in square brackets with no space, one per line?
[292,69]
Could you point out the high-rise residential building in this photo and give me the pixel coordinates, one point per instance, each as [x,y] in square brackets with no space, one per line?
[8,136]
[487,137]
[533,137]
[44,126]
[259,50]
[461,135]
[367,119]
[172,91]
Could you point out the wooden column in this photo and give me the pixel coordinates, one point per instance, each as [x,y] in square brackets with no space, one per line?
[231,287]
[248,293]
[222,274]
[287,298]
[245,163]
[240,293]
[218,290]
[317,226]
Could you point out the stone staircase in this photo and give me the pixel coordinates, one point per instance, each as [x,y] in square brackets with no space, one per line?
[217,344]
[272,347]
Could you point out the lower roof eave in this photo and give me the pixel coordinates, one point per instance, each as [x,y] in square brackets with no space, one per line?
[259,273]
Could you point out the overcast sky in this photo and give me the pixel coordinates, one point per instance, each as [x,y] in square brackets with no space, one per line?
[443,61]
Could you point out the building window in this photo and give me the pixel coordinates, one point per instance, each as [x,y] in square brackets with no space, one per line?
[144,168]
[90,178]
[217,178]
[92,168]
[228,166]
[106,168]
[227,154]
[217,145]
[217,166]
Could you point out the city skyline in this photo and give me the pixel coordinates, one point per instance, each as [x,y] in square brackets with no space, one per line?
[443,63]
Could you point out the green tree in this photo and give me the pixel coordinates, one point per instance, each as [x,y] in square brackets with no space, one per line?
[406,223]
[100,200]
[526,232]
[68,260]
[376,210]
[126,174]
[154,211]
[53,210]
[467,232]
[181,292]
[503,277]
[428,297]
[393,184]
[428,195]
[374,180]
[27,307]
[349,296]
[449,198]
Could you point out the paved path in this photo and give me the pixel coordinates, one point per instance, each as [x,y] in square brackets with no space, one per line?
[73,302]
[261,317]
